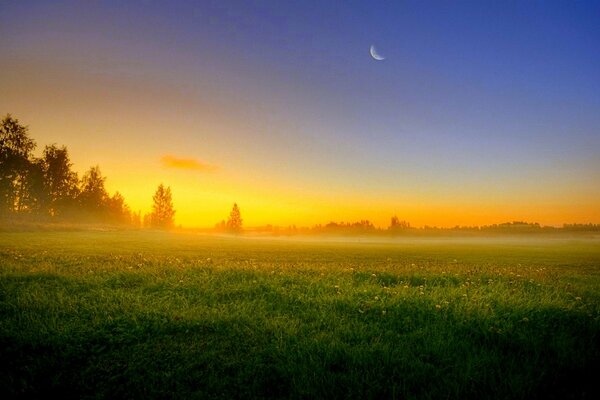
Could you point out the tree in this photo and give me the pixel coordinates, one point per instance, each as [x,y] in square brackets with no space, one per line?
[118,211]
[163,213]
[221,226]
[234,223]
[34,195]
[15,161]
[59,180]
[396,224]
[93,196]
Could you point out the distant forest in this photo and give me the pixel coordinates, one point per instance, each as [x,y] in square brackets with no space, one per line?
[366,227]
[46,190]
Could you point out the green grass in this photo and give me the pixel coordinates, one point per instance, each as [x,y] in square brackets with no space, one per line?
[157,315]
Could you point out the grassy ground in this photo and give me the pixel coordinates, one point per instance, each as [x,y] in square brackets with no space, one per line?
[156,315]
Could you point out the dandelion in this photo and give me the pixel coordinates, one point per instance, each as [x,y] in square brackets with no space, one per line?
[438,306]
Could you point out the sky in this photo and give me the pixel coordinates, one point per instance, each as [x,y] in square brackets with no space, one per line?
[482,112]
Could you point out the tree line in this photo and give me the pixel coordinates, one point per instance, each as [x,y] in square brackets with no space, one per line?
[47,189]
[403,227]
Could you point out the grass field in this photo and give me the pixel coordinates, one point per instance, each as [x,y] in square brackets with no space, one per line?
[159,315]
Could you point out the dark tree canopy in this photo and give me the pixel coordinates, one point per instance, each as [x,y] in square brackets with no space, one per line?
[60,181]
[163,213]
[46,189]
[93,196]
[118,211]
[15,165]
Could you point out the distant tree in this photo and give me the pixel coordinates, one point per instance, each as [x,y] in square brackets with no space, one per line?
[234,223]
[59,180]
[396,224]
[93,196]
[136,219]
[163,213]
[15,164]
[118,211]
[221,226]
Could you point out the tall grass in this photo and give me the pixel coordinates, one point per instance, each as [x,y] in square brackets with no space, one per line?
[157,315]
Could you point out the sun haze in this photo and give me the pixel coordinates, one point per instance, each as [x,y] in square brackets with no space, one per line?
[481,113]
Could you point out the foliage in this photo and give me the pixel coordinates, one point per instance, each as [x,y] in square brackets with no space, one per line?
[234,223]
[15,165]
[60,181]
[47,189]
[163,213]
[93,195]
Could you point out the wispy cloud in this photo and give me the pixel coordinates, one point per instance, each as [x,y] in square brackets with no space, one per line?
[170,161]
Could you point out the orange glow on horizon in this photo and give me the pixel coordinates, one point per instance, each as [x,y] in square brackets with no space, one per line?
[203,200]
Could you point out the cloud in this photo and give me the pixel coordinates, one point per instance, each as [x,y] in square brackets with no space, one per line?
[170,161]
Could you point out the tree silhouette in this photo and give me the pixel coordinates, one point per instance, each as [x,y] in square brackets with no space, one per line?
[163,213]
[59,180]
[396,224]
[234,223]
[15,161]
[118,211]
[93,196]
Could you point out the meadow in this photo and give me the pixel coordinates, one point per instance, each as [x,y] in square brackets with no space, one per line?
[129,314]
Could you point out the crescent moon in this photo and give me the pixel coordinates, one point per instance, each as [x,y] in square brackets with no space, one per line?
[375,55]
